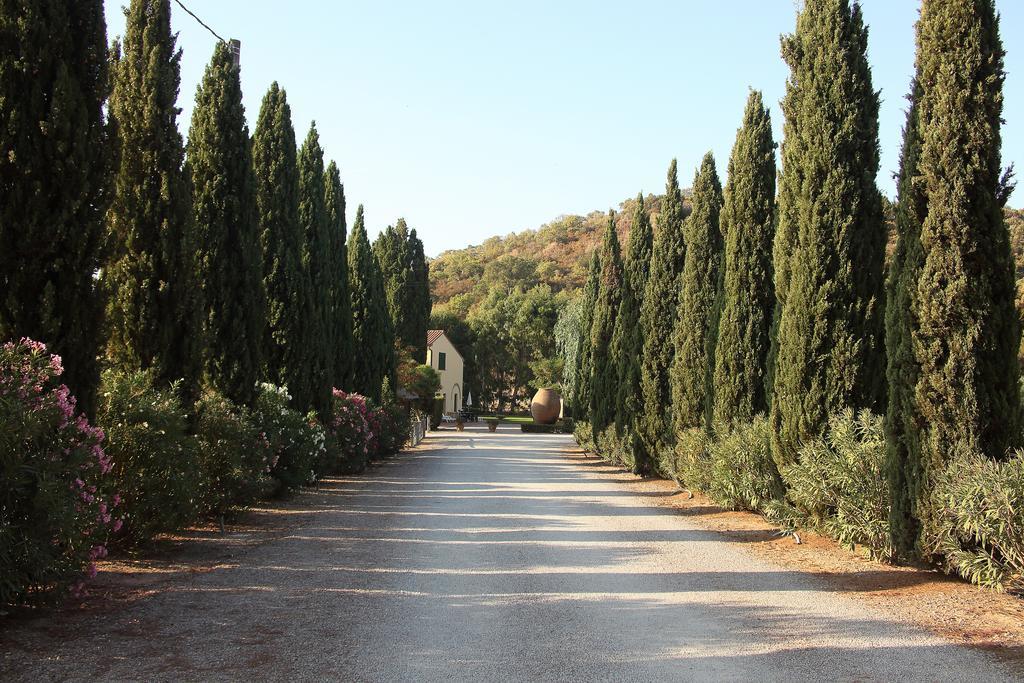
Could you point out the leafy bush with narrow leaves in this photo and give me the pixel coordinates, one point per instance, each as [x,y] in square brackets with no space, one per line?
[156,468]
[297,443]
[981,523]
[584,435]
[348,434]
[690,462]
[735,469]
[838,485]
[235,457]
[54,512]
[743,475]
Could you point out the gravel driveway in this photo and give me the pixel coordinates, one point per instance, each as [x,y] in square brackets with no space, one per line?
[487,557]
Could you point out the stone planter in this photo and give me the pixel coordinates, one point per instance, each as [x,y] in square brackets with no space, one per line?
[546,406]
[492,425]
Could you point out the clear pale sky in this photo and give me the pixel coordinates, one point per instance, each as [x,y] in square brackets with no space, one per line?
[473,119]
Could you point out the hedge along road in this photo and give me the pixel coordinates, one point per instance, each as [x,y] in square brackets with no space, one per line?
[488,557]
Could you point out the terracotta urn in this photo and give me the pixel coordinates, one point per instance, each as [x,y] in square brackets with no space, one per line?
[546,406]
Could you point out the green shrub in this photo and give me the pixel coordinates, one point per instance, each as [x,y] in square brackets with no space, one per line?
[155,460]
[735,469]
[743,475]
[234,456]
[981,525]
[436,412]
[690,461]
[54,507]
[613,447]
[584,435]
[557,428]
[297,442]
[838,485]
[392,424]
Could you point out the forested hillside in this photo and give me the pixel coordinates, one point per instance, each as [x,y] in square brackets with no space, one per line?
[556,254]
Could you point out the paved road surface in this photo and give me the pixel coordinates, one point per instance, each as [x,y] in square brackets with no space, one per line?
[494,558]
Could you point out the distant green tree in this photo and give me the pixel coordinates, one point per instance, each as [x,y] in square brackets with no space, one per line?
[420,301]
[406,284]
[627,340]
[317,263]
[341,302]
[952,330]
[391,248]
[748,296]
[230,267]
[513,331]
[830,243]
[580,398]
[694,333]
[568,344]
[289,293]
[372,335]
[604,385]
[658,314]
[55,172]
[154,314]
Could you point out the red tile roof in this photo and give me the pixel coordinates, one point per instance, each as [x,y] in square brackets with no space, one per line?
[433,335]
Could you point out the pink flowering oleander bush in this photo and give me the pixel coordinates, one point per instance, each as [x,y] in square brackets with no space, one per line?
[297,442]
[54,514]
[156,467]
[390,424]
[349,437]
[235,456]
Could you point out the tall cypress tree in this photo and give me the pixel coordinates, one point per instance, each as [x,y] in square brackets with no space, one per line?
[903,443]
[289,294]
[953,329]
[694,333]
[830,243]
[230,271]
[316,262]
[406,285]
[55,166]
[748,297]
[391,248]
[604,369]
[341,311]
[657,319]
[627,341]
[372,335]
[580,400]
[154,313]
[420,302]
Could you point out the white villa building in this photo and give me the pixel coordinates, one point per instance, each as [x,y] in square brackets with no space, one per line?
[446,359]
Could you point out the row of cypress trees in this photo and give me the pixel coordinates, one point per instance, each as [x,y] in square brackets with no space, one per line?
[783,303]
[219,263]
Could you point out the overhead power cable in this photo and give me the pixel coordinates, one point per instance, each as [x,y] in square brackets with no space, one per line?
[201,22]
